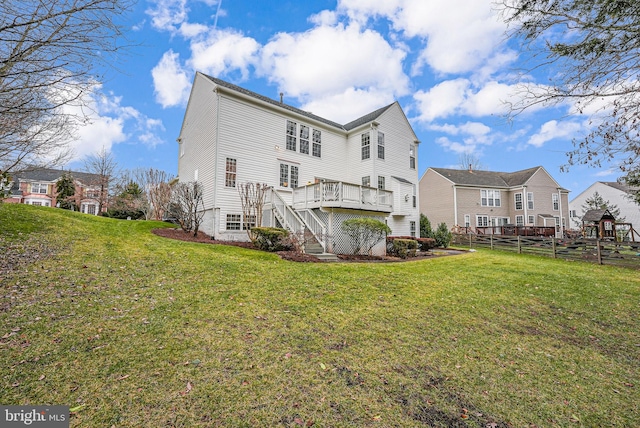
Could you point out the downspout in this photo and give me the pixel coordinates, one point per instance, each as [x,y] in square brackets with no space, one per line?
[525,201]
[561,215]
[215,169]
[455,206]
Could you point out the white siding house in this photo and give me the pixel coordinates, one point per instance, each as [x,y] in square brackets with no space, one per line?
[616,193]
[320,172]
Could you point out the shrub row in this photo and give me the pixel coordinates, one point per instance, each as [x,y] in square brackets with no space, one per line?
[270,238]
[406,246]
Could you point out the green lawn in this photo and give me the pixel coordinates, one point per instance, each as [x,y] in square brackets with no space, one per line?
[134,330]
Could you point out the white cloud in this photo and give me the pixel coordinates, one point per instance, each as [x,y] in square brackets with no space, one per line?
[170,81]
[223,51]
[326,17]
[553,130]
[348,105]
[107,122]
[167,15]
[336,62]
[454,146]
[442,100]
[459,35]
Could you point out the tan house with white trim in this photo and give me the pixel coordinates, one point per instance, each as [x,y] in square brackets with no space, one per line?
[472,199]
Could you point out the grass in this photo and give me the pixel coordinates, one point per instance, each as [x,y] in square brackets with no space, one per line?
[137,330]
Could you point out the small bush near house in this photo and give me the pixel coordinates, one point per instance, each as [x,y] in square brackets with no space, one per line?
[425,227]
[425,244]
[365,233]
[443,236]
[403,248]
[271,238]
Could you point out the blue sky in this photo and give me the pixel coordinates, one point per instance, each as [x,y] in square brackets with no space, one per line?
[448,63]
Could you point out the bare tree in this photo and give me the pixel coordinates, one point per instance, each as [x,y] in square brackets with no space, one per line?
[49,53]
[188,206]
[594,47]
[470,162]
[103,166]
[252,198]
[157,190]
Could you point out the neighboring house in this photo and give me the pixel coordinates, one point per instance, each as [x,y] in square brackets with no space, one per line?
[616,193]
[320,173]
[38,187]
[481,199]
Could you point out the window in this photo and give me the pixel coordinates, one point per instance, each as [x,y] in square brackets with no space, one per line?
[412,228]
[304,139]
[518,197]
[317,143]
[467,220]
[249,222]
[529,200]
[39,188]
[366,146]
[366,181]
[380,145]
[490,198]
[572,213]
[554,200]
[291,135]
[519,220]
[288,175]
[230,173]
[557,219]
[233,222]
[91,209]
[36,203]
[482,221]
[415,198]
[531,220]
[412,157]
[380,182]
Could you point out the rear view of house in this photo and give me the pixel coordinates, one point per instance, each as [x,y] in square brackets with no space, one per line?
[479,200]
[319,173]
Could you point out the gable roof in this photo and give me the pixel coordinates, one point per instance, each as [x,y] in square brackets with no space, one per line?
[487,178]
[369,117]
[596,215]
[620,186]
[49,174]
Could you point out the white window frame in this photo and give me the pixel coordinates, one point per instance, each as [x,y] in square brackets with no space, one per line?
[231,172]
[555,201]
[366,181]
[289,175]
[530,204]
[519,220]
[380,145]
[381,182]
[467,220]
[482,220]
[532,220]
[233,219]
[40,187]
[412,228]
[316,149]
[490,198]
[518,203]
[304,139]
[365,146]
[412,156]
[291,142]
